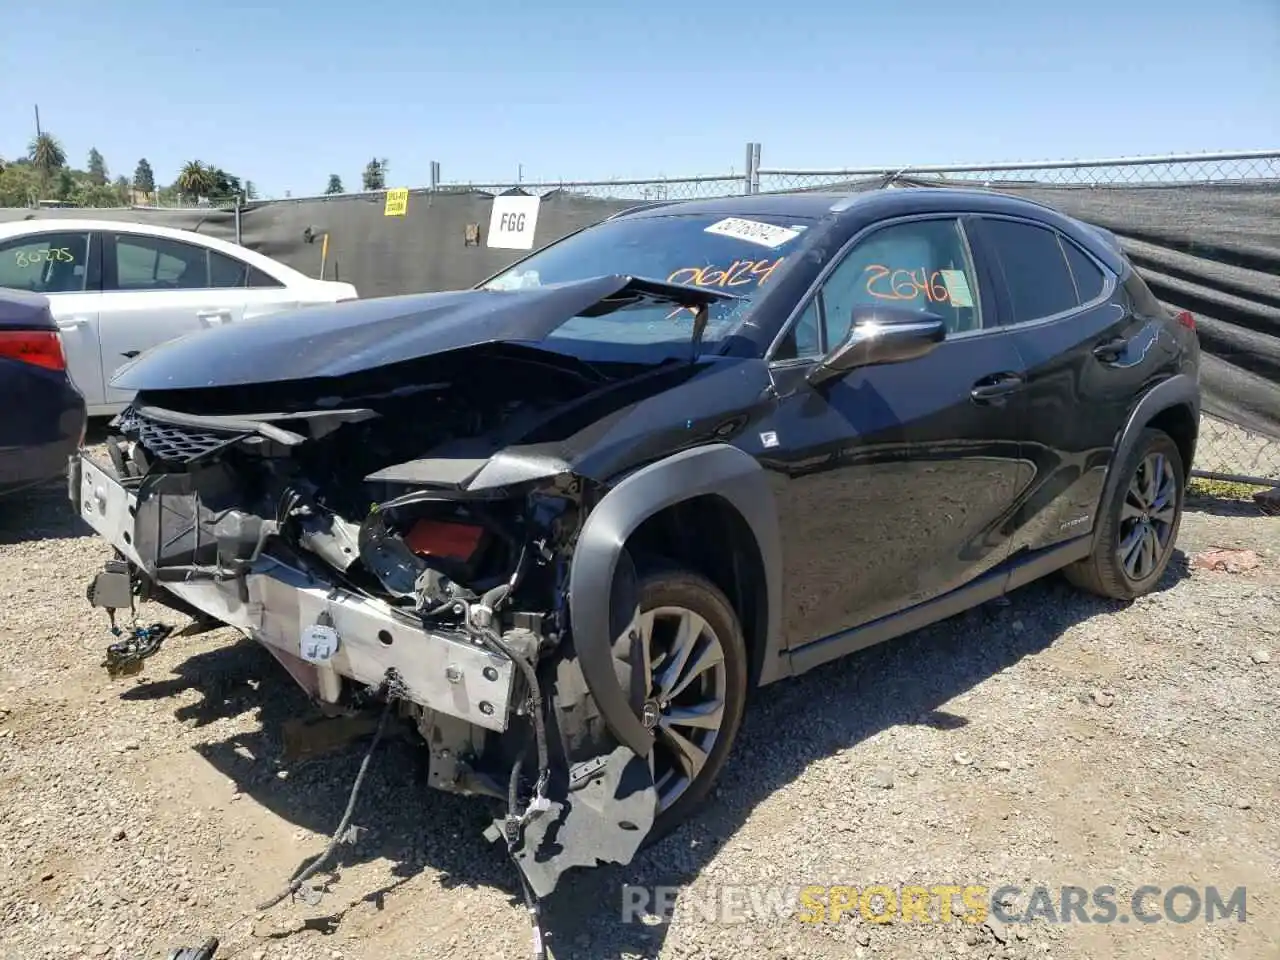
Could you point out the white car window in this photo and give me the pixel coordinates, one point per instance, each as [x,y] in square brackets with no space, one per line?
[158,263]
[226,271]
[45,262]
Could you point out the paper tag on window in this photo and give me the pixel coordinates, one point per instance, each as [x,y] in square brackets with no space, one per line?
[957,288]
[753,231]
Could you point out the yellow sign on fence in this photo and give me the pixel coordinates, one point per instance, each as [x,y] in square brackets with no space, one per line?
[397,202]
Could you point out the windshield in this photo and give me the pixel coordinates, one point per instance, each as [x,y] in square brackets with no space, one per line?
[736,254]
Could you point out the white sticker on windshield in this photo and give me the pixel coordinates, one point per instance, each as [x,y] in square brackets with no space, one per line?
[753,231]
[515,281]
[957,288]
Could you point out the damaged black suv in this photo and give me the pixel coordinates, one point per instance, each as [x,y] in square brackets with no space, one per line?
[566,520]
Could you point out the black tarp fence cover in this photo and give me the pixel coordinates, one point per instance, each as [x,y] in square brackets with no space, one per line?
[1213,249]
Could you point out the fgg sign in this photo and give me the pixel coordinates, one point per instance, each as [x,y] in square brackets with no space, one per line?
[513,222]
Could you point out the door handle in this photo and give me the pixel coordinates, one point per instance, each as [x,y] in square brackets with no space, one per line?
[1110,350]
[996,387]
[213,316]
[73,324]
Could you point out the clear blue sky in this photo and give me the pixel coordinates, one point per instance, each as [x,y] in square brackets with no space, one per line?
[284,92]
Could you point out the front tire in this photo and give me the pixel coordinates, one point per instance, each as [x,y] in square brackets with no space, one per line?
[696,657]
[1139,528]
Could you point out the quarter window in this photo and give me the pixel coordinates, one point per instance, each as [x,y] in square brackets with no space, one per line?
[1035,269]
[1088,277]
[226,271]
[45,262]
[259,279]
[802,340]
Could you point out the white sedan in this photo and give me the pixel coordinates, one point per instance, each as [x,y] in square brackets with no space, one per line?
[119,288]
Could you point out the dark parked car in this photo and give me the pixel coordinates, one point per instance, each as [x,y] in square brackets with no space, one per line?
[42,414]
[693,449]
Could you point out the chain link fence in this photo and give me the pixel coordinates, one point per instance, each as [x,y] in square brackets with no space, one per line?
[1230,452]
[1198,169]
[642,191]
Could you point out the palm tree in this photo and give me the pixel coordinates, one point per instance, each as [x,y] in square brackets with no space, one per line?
[47,156]
[196,180]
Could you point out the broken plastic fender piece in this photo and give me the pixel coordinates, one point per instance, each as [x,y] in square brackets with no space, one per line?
[603,821]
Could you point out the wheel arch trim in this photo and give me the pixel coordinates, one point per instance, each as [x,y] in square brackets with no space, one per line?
[717,469]
[1179,390]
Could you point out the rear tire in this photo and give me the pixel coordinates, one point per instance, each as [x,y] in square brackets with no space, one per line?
[1139,527]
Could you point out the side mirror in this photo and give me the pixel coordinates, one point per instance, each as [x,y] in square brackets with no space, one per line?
[881,335]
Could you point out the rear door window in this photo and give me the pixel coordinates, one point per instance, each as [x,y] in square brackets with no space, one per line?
[1034,267]
[159,263]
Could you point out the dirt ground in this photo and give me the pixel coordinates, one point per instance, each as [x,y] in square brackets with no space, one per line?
[1054,740]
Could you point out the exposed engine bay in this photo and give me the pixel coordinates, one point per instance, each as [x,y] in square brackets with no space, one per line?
[377,520]
[416,505]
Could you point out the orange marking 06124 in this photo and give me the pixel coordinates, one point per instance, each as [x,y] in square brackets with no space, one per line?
[737,274]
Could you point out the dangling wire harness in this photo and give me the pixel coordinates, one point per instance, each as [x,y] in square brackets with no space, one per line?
[393,689]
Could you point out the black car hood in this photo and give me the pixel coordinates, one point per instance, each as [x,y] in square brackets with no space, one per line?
[344,338]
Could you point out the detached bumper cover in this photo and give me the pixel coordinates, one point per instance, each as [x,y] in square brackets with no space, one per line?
[278,606]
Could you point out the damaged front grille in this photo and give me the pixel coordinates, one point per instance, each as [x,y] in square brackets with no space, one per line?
[164,441]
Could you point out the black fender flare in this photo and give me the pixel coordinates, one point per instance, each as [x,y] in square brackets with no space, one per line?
[1181,389]
[599,559]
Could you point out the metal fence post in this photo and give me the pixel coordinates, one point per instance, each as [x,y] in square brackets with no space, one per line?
[748,175]
[239,201]
[755,168]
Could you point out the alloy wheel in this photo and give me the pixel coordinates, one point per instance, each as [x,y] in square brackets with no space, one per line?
[1147,517]
[685,691]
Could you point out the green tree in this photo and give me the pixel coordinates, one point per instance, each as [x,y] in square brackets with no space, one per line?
[225,186]
[122,191]
[97,168]
[375,174]
[48,157]
[89,194]
[144,178]
[66,187]
[19,184]
[335,185]
[250,191]
[196,180]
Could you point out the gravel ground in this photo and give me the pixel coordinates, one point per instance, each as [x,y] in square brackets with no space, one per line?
[1056,739]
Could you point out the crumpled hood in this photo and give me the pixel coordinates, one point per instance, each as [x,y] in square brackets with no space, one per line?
[343,338]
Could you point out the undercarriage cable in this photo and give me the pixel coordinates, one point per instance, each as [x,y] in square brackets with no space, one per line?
[392,686]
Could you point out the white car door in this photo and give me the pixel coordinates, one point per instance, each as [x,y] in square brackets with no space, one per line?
[66,267]
[156,289]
